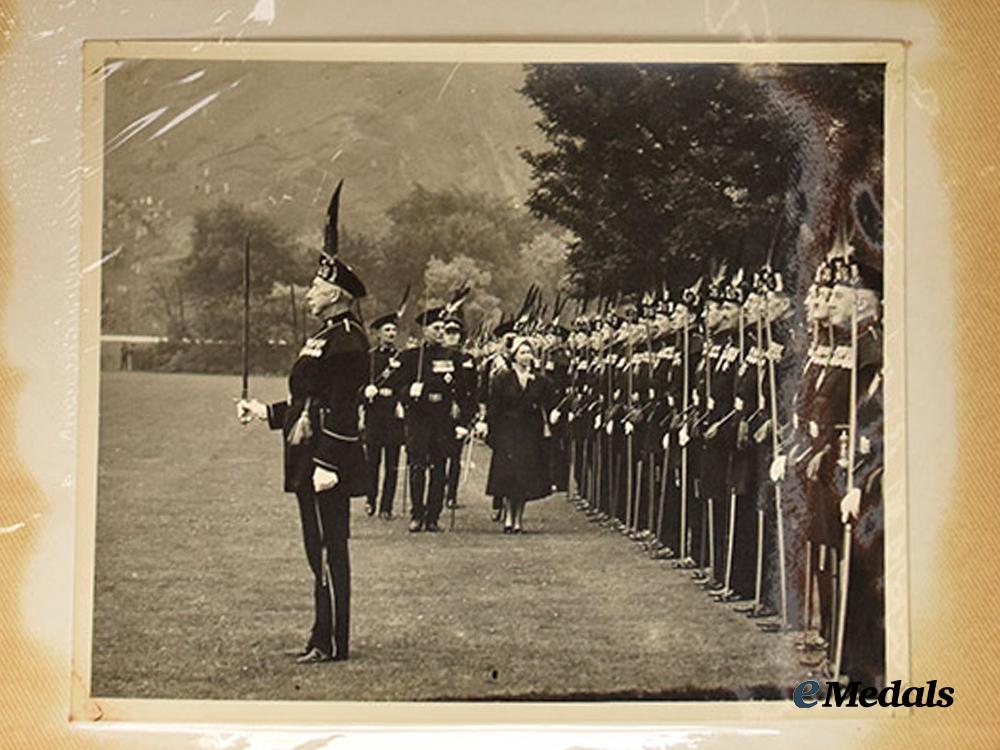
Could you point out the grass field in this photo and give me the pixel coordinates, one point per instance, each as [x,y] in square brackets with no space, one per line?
[201,583]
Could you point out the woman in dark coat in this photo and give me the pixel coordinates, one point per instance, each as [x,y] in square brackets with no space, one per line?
[516,418]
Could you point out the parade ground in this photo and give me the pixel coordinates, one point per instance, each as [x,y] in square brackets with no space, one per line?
[201,582]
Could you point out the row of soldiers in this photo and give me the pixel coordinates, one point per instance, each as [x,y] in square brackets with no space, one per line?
[696,428]
[726,431]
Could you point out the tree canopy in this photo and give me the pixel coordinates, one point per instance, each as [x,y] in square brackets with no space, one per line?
[661,171]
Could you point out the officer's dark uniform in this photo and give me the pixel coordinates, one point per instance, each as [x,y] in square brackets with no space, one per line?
[319,426]
[383,428]
[864,629]
[430,427]
[325,384]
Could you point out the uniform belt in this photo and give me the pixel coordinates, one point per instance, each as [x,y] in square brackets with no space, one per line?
[435,398]
[387,392]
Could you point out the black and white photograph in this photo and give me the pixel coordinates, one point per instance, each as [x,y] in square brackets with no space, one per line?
[452,378]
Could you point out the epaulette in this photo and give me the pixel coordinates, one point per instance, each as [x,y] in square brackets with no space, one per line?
[345,336]
[842,356]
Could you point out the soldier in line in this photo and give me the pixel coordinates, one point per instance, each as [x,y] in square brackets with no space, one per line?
[555,367]
[324,462]
[863,646]
[864,636]
[383,418]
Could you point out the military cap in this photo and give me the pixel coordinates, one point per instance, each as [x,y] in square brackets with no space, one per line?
[331,269]
[391,318]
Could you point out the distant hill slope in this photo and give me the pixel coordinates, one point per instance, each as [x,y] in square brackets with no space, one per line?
[276,136]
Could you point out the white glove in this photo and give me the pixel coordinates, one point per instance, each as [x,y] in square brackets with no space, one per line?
[666,441]
[416,390]
[738,404]
[777,472]
[248,410]
[597,422]
[683,437]
[864,446]
[399,411]
[850,505]
[461,432]
[481,430]
[712,431]
[554,416]
[609,427]
[570,417]
[629,427]
[761,433]
[812,468]
[370,391]
[324,479]
[711,403]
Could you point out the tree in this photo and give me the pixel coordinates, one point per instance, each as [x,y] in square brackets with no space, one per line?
[657,170]
[444,225]
[134,230]
[211,276]
[442,278]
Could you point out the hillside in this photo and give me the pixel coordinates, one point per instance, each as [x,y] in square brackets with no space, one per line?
[278,135]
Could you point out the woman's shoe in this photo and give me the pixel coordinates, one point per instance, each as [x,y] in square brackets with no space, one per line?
[508,530]
[517,529]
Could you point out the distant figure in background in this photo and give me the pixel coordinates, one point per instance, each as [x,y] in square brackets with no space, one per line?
[125,361]
[515,417]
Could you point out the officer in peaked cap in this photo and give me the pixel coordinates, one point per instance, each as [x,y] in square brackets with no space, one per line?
[427,384]
[324,459]
[383,417]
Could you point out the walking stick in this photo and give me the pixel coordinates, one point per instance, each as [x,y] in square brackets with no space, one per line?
[852,431]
